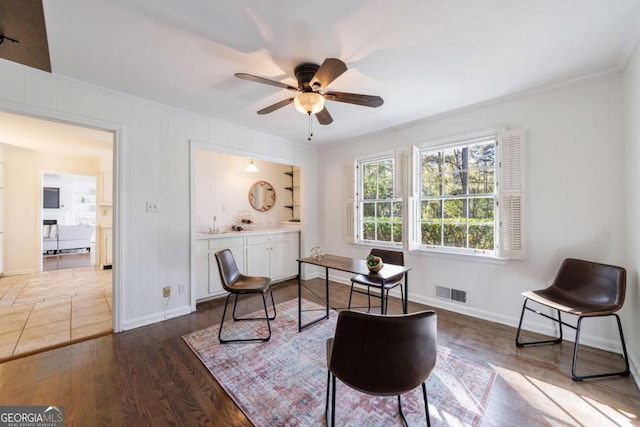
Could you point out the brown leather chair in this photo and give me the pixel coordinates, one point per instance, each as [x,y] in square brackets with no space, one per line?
[584,289]
[239,284]
[382,355]
[387,256]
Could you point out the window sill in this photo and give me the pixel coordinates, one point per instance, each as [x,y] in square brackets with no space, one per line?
[438,253]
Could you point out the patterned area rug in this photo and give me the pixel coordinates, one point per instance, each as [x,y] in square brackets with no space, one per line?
[283,382]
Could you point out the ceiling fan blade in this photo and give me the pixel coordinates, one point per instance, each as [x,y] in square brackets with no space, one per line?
[354,98]
[330,70]
[277,105]
[252,78]
[323,116]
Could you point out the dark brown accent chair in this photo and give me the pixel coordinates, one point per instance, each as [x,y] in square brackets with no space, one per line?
[238,284]
[382,355]
[584,289]
[387,256]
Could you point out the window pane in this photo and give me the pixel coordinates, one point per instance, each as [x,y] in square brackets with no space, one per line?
[432,174]
[481,236]
[385,188]
[454,210]
[456,166]
[369,231]
[384,231]
[397,232]
[431,234]
[397,212]
[431,209]
[481,168]
[368,211]
[384,210]
[481,210]
[369,180]
[455,235]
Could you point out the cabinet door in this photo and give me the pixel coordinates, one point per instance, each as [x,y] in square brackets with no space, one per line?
[202,269]
[215,284]
[258,263]
[292,254]
[278,253]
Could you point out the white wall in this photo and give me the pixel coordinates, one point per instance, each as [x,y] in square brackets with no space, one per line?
[575,198]
[631,90]
[225,201]
[152,163]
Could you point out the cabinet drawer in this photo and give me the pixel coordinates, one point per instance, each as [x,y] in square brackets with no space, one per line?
[225,242]
[266,238]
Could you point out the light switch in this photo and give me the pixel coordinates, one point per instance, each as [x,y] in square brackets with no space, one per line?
[152,207]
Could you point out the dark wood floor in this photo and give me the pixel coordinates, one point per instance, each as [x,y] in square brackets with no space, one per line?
[148,376]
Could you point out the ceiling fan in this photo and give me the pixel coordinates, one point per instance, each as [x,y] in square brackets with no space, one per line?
[312,84]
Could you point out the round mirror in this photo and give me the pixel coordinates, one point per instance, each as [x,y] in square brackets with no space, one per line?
[262,196]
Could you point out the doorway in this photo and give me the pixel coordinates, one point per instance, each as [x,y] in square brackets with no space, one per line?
[68,221]
[48,309]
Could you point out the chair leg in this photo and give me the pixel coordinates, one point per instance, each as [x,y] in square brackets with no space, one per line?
[326,404]
[368,299]
[266,318]
[553,341]
[333,400]
[350,294]
[426,404]
[623,373]
[404,419]
[273,304]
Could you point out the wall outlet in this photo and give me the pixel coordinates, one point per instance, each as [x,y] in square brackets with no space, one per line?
[182,289]
[153,207]
[166,291]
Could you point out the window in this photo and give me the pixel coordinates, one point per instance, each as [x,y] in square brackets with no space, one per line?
[464,197]
[380,213]
[458,197]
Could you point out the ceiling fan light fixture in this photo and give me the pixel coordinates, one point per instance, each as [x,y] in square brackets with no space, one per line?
[309,102]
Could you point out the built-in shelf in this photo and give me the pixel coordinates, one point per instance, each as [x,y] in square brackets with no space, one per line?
[294,188]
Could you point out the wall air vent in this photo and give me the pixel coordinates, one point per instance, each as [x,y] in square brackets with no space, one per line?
[451,294]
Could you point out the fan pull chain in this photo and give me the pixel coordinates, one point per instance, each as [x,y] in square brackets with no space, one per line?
[310,127]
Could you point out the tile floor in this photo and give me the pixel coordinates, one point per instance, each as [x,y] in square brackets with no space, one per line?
[52,308]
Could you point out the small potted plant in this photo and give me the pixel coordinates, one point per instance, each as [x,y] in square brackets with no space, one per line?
[374,263]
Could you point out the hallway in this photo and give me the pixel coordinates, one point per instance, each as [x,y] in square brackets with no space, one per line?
[53,308]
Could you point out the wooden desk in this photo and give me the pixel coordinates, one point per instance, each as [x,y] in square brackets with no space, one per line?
[350,265]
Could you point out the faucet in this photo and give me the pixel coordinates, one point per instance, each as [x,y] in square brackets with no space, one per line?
[214,229]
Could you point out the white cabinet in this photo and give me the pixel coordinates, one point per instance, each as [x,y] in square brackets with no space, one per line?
[270,254]
[208,282]
[235,245]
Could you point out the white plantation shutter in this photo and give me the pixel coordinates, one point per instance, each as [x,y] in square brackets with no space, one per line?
[406,186]
[405,177]
[411,224]
[511,187]
[350,204]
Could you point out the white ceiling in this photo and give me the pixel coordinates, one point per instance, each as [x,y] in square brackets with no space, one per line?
[423,57]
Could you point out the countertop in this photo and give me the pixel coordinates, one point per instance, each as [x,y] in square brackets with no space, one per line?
[205,236]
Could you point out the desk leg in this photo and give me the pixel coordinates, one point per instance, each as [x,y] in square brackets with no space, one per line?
[326,284]
[326,315]
[383,306]
[299,296]
[405,303]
